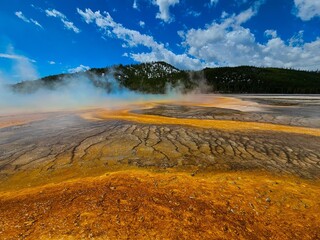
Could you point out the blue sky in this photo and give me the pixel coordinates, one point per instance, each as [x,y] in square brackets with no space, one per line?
[39,38]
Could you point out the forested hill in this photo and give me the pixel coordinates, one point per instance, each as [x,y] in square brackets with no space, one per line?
[247,79]
[155,77]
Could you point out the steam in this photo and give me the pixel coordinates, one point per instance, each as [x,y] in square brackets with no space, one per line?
[201,82]
[76,93]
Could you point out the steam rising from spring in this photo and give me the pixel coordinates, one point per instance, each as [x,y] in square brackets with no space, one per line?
[74,93]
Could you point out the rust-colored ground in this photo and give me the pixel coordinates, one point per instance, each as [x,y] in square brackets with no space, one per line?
[138,204]
[81,190]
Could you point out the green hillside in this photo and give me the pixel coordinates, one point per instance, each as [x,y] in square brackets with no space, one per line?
[155,77]
[247,79]
[152,77]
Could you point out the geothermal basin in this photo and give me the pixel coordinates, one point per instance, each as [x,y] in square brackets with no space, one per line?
[193,167]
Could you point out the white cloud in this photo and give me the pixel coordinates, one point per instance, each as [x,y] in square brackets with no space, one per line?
[135,5]
[15,57]
[55,13]
[248,14]
[36,23]
[224,14]
[182,61]
[80,68]
[142,24]
[67,24]
[193,13]
[213,2]
[244,16]
[52,62]
[297,39]
[133,38]
[229,43]
[164,13]
[12,56]
[271,33]
[222,43]
[307,9]
[23,67]
[22,17]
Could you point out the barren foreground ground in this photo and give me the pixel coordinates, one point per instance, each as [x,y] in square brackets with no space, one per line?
[207,167]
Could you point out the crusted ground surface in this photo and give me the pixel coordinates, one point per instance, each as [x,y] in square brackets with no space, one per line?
[172,173]
[68,141]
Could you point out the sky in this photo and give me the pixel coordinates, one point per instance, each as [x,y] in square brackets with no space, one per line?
[40,38]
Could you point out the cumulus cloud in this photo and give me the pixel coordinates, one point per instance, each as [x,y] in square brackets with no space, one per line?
[307,9]
[228,43]
[142,24]
[80,68]
[133,38]
[20,15]
[271,33]
[67,24]
[52,62]
[164,13]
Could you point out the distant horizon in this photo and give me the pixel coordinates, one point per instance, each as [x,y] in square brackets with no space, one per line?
[40,39]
